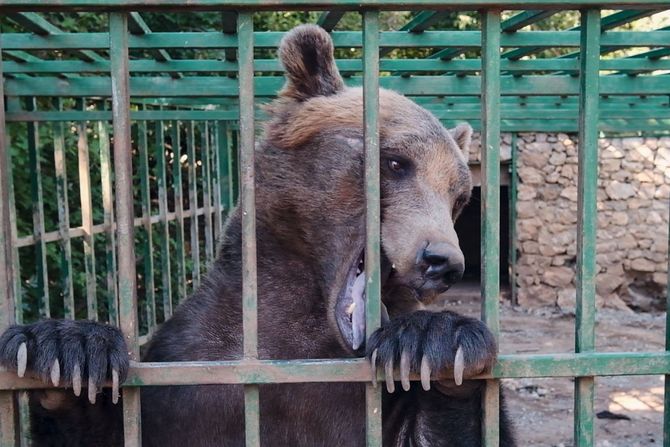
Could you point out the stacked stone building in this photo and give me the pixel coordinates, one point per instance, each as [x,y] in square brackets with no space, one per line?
[633,204]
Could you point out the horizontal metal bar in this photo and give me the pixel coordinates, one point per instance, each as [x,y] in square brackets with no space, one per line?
[54,236]
[464,111]
[344,65]
[316,5]
[136,115]
[268,86]
[358,370]
[346,39]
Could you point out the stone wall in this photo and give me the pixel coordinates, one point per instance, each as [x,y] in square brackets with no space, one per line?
[633,202]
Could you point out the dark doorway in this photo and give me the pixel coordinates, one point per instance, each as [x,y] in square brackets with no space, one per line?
[468,228]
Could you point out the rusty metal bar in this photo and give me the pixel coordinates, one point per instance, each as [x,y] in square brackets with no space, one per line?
[8,416]
[373,394]
[245,28]
[123,172]
[490,209]
[179,213]
[587,223]
[205,148]
[148,248]
[193,203]
[164,228]
[86,203]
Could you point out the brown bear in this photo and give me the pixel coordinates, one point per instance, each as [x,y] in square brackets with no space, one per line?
[311,267]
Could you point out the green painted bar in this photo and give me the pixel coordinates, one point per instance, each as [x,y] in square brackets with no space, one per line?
[666,396]
[13,230]
[63,217]
[358,370]
[193,204]
[145,198]
[344,65]
[268,86]
[123,173]
[490,208]
[164,228]
[328,20]
[289,5]
[245,27]
[512,193]
[205,148]
[8,422]
[86,203]
[373,394]
[217,180]
[587,223]
[179,211]
[41,271]
[141,115]
[551,108]
[342,39]
[108,222]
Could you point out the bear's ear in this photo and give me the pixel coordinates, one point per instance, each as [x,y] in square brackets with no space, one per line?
[462,134]
[307,54]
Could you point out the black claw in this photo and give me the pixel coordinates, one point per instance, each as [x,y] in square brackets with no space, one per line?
[430,342]
[65,352]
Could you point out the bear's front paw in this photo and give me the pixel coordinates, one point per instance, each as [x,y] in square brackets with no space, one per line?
[69,352]
[424,342]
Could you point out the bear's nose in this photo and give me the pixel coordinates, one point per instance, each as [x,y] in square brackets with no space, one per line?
[443,262]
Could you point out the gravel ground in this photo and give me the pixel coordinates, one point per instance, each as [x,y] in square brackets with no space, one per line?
[542,409]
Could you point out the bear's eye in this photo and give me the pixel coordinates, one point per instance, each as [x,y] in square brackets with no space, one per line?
[395,166]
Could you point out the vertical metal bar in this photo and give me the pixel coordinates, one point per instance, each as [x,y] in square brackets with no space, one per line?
[63,216]
[490,208]
[13,230]
[373,394]
[666,400]
[123,171]
[217,180]
[108,221]
[148,249]
[164,230]
[8,424]
[86,202]
[179,212]
[587,223]
[193,203]
[511,209]
[41,271]
[205,148]
[245,29]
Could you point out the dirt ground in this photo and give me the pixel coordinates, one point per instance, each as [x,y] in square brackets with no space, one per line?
[542,409]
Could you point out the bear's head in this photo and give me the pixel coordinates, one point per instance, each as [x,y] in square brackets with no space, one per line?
[311,168]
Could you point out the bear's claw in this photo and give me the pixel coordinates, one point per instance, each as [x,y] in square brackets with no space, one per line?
[423,342]
[65,352]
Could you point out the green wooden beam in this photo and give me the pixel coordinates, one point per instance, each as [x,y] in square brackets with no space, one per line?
[35,23]
[286,5]
[268,86]
[138,26]
[344,39]
[328,20]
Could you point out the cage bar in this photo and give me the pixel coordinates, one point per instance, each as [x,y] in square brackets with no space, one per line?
[164,228]
[86,203]
[179,213]
[587,185]
[193,204]
[490,208]
[147,249]
[245,27]
[373,394]
[123,176]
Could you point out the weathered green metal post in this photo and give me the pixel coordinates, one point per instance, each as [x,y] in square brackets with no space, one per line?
[587,223]
[8,416]
[123,172]
[245,28]
[373,211]
[490,208]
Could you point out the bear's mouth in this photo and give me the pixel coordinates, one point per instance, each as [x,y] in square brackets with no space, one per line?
[350,306]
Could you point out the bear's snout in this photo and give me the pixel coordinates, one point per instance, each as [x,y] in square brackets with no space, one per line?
[441,264]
